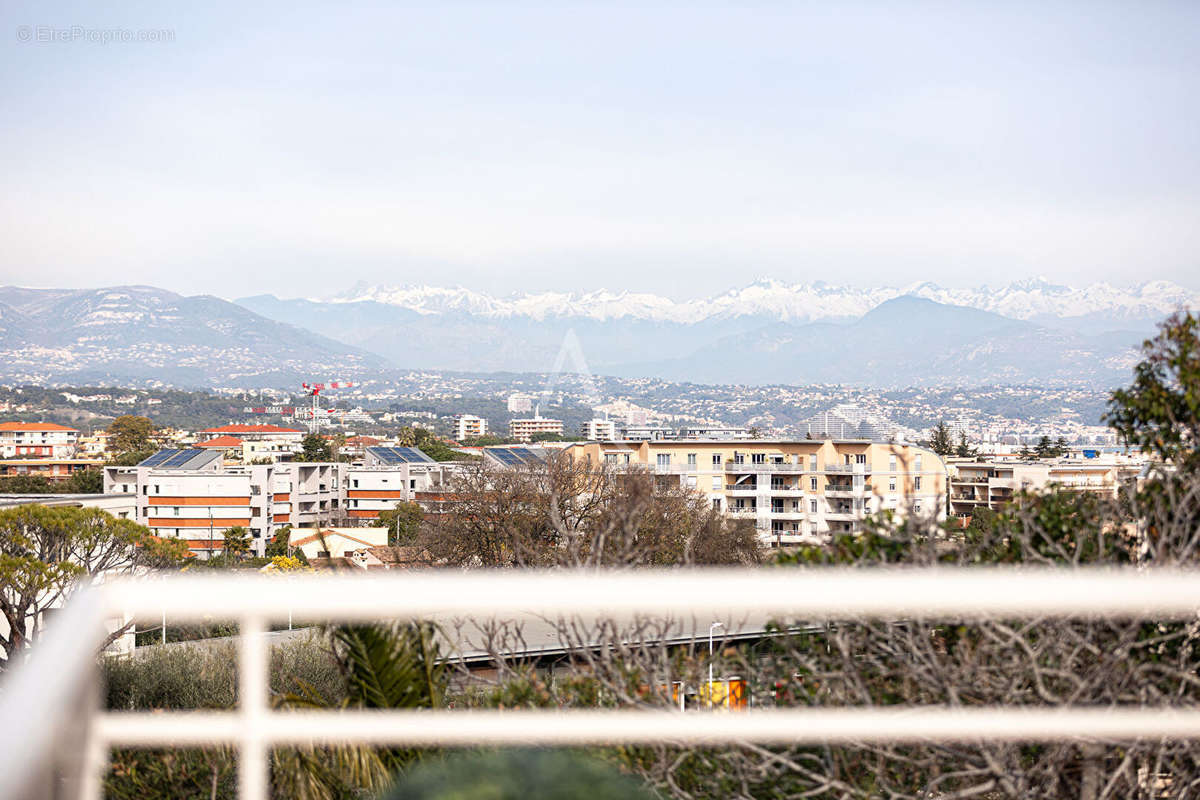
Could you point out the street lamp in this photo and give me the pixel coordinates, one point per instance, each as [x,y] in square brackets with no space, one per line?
[711,628]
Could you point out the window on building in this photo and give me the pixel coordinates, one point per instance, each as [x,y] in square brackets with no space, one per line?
[716,504]
[812,506]
[716,483]
[739,458]
[892,485]
[691,461]
[664,459]
[716,459]
[891,463]
[917,483]
[917,463]
[812,462]
[812,483]
[860,458]
[758,458]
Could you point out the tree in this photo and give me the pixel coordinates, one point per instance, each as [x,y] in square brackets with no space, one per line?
[45,552]
[86,481]
[1060,447]
[939,440]
[1160,412]
[963,449]
[237,542]
[315,447]
[571,513]
[280,543]
[385,666]
[1044,448]
[131,434]
[25,484]
[402,522]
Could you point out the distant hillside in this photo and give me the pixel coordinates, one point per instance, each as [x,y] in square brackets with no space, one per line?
[905,342]
[140,334]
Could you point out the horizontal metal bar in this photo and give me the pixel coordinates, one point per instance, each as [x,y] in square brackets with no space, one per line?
[949,592]
[794,726]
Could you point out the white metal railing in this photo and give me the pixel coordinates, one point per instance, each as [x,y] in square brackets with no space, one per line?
[43,694]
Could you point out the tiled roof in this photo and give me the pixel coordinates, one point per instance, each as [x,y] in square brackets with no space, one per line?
[251,429]
[222,442]
[34,426]
[327,534]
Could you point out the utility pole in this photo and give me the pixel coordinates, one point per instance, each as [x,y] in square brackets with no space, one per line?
[711,628]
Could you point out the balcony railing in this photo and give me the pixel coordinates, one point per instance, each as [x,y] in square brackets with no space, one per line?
[51,716]
[731,466]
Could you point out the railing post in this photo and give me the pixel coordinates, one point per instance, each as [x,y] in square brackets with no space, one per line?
[253,677]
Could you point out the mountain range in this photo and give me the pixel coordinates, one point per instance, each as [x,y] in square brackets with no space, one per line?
[766,332]
[140,334]
[1034,299]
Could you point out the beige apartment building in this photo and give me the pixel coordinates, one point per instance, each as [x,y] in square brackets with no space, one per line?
[991,484]
[524,430]
[795,491]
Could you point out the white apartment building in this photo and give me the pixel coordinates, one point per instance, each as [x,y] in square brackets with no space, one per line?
[193,495]
[600,430]
[44,439]
[520,403]
[370,490]
[469,427]
[524,430]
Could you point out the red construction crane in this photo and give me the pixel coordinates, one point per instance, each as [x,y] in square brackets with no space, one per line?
[314,390]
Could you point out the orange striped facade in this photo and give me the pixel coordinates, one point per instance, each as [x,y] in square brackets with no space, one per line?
[376,494]
[192,522]
[198,501]
[363,513]
[282,497]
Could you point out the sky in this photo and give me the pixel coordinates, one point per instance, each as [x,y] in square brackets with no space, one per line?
[298,148]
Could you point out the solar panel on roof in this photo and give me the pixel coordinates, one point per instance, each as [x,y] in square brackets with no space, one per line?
[399,455]
[159,457]
[181,458]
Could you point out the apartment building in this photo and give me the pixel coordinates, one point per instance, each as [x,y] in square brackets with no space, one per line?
[469,427]
[118,505]
[715,433]
[43,439]
[992,484]
[523,430]
[600,430]
[794,491]
[256,442]
[391,475]
[52,469]
[192,494]
[520,403]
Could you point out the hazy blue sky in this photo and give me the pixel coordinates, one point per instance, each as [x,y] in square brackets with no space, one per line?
[684,148]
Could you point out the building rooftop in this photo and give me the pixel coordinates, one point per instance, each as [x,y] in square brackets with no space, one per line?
[34,426]
[222,442]
[172,458]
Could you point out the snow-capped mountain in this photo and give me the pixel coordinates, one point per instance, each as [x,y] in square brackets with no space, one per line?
[801,302]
